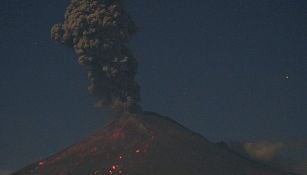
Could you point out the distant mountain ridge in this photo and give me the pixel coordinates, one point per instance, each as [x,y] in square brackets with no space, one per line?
[147,144]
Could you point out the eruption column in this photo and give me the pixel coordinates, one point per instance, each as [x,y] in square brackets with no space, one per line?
[98,30]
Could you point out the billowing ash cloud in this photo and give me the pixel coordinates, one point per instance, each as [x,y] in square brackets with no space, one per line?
[288,156]
[264,151]
[98,30]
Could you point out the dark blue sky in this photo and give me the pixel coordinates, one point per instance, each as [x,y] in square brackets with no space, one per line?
[228,69]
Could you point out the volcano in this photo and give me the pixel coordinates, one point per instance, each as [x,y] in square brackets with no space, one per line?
[147,144]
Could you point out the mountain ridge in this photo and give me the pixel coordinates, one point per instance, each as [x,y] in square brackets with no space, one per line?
[146,143]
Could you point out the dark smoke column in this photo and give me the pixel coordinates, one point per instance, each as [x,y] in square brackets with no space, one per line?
[97,30]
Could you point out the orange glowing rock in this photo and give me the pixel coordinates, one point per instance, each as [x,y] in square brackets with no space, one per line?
[41,163]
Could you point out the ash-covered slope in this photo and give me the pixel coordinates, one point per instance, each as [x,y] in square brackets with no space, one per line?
[146,144]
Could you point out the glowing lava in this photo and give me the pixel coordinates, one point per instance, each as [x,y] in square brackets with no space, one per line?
[115,170]
[41,163]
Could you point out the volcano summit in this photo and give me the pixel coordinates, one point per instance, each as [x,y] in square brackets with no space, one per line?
[146,143]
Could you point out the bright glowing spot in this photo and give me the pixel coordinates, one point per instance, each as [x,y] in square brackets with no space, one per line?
[120,157]
[41,163]
[113,167]
[137,151]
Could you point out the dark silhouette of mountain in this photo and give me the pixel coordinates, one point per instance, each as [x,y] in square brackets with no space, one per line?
[147,144]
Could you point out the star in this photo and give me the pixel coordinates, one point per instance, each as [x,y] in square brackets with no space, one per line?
[286,76]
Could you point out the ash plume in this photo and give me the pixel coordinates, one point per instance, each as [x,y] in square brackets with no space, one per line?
[98,30]
[287,156]
[264,151]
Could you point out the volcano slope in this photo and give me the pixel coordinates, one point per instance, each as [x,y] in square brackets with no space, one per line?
[146,144]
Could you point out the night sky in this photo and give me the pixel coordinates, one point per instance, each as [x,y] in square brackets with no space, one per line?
[231,70]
